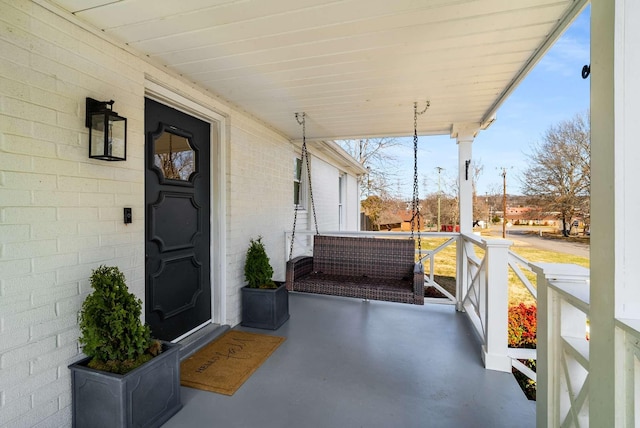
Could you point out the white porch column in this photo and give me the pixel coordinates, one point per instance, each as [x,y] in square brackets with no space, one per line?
[495,349]
[615,108]
[603,214]
[465,137]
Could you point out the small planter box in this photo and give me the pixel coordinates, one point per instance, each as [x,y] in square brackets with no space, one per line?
[265,308]
[145,397]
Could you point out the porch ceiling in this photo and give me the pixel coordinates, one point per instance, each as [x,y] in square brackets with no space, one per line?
[354,66]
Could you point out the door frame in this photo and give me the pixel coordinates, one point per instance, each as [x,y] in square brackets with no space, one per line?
[218,209]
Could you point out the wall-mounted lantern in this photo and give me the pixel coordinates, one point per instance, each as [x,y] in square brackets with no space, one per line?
[107,131]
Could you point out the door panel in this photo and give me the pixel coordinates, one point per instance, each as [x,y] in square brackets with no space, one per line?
[177,196]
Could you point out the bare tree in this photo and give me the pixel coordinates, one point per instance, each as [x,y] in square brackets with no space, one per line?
[448,209]
[376,155]
[176,165]
[447,189]
[559,174]
[493,202]
[372,207]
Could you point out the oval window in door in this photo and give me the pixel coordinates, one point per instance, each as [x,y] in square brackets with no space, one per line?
[174,156]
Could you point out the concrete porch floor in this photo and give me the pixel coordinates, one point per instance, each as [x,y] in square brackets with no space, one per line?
[349,363]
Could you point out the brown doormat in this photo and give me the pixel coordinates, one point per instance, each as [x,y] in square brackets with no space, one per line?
[225,364]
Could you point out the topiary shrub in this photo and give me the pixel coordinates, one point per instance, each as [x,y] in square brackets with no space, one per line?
[257,269]
[111,331]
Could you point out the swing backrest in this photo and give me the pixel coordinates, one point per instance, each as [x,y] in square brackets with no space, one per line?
[373,257]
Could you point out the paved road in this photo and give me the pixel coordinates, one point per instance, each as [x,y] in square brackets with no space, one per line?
[522,237]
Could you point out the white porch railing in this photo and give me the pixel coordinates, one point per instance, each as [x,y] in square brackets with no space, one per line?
[517,265]
[484,287]
[628,339]
[563,346]
[429,259]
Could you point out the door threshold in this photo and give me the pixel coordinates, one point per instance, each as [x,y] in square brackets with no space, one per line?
[190,332]
[199,338]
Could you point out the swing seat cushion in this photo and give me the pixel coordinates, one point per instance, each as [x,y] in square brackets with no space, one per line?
[367,268]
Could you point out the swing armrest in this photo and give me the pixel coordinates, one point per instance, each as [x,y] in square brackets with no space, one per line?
[418,282]
[297,267]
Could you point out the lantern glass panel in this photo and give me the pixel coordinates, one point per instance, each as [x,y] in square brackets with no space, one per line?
[117,131]
[97,134]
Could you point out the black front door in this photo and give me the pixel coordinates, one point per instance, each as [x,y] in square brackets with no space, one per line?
[177,198]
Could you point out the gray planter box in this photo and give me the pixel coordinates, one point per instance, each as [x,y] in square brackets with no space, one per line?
[265,308]
[145,397]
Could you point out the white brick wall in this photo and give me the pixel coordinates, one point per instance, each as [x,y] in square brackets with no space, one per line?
[61,213]
[260,187]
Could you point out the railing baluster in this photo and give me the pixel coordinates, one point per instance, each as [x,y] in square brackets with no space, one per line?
[563,351]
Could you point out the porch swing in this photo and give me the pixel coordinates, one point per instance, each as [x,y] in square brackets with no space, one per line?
[361,267]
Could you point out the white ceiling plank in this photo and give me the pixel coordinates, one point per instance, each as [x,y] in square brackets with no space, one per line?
[75,6]
[381,45]
[133,12]
[261,18]
[355,66]
[282,30]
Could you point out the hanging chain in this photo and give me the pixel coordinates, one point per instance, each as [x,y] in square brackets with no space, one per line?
[415,202]
[304,158]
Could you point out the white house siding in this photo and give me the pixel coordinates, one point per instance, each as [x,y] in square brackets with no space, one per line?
[61,213]
[324,179]
[352,210]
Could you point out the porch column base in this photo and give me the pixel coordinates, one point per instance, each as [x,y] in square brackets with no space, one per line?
[501,363]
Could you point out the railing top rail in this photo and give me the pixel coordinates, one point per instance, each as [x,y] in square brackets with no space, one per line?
[380,234]
[520,259]
[561,271]
[576,293]
[631,326]
[477,240]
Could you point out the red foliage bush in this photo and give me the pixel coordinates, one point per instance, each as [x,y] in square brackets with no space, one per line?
[522,327]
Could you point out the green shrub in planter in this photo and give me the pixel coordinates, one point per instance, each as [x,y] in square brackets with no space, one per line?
[111,331]
[257,269]
[265,304]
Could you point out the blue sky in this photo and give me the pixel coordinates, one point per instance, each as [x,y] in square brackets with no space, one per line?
[554,91]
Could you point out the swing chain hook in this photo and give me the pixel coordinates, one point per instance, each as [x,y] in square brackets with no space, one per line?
[415,108]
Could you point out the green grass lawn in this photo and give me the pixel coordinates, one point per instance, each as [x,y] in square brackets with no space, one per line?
[445,267]
[517,291]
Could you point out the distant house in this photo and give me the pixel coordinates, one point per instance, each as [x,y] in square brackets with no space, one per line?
[531,216]
[399,220]
[390,221]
